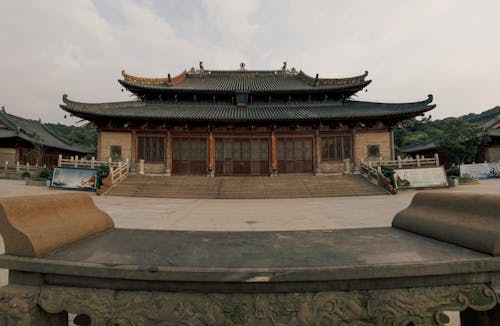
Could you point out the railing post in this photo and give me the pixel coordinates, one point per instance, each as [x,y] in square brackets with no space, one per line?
[18,167]
[27,167]
[59,160]
[399,162]
[92,162]
[380,161]
[347,166]
[436,157]
[418,159]
[141,166]
[111,174]
[6,165]
[76,161]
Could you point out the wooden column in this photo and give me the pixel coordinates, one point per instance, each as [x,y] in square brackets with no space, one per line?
[168,163]
[354,158]
[317,153]
[211,154]
[133,151]
[392,143]
[274,155]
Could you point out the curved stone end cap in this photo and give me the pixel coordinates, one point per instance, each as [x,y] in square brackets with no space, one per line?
[469,220]
[35,225]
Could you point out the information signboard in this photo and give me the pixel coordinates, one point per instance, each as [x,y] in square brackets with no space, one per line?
[480,170]
[74,178]
[420,178]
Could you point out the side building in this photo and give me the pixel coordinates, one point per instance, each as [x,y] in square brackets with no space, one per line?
[30,141]
[245,122]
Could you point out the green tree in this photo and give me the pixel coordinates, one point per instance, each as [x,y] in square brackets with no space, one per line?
[459,138]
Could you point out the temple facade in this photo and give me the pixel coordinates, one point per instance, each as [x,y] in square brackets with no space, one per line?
[245,122]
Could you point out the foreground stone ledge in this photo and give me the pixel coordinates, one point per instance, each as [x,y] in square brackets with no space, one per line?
[32,226]
[469,220]
[25,305]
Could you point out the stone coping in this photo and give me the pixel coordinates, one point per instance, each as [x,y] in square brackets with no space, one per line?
[341,259]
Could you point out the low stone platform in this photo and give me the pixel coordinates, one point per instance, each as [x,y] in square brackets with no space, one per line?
[383,276]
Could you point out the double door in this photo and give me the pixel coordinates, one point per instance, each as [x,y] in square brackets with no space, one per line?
[189,156]
[241,156]
[295,155]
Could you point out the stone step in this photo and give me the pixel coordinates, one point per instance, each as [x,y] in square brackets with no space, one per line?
[287,186]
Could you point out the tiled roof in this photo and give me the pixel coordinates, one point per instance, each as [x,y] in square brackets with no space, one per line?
[196,111]
[35,132]
[486,118]
[245,80]
[421,147]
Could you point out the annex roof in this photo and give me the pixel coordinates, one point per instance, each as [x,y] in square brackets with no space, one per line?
[199,111]
[35,132]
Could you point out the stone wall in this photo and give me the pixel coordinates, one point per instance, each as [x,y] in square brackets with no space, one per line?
[153,168]
[363,139]
[331,167]
[108,139]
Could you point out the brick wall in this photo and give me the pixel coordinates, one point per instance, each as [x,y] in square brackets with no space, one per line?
[365,138]
[108,139]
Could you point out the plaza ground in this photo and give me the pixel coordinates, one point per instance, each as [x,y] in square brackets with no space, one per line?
[247,214]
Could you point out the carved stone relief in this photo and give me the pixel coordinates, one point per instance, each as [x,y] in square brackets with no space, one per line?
[381,307]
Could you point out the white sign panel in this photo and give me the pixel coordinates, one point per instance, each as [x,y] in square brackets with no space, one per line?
[480,170]
[420,178]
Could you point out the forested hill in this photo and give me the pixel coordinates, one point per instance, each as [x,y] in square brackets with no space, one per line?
[86,136]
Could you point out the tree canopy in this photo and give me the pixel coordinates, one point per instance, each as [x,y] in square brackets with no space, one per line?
[456,136]
[86,136]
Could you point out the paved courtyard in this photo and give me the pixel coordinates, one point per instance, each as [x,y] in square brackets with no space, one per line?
[247,214]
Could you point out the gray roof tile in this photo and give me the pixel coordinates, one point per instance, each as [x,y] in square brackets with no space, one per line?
[189,111]
[35,132]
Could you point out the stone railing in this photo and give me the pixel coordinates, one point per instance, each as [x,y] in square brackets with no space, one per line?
[17,168]
[375,175]
[418,161]
[115,176]
[76,162]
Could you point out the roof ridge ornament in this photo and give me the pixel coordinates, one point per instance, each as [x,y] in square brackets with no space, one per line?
[242,66]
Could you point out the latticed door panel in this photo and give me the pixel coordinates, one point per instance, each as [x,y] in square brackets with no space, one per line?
[242,156]
[190,156]
[295,155]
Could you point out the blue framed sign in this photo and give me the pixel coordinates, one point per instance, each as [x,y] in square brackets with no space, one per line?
[74,179]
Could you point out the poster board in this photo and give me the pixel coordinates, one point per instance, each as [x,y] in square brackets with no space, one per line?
[420,178]
[480,170]
[74,179]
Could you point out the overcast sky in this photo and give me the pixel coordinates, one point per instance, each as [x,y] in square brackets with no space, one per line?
[448,48]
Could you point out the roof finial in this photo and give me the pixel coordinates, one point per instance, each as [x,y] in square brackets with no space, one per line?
[3,108]
[168,78]
[201,66]
[242,66]
[284,65]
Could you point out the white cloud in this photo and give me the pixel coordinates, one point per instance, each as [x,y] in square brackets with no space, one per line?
[448,48]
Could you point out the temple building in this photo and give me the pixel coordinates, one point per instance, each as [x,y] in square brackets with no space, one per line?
[245,122]
[30,141]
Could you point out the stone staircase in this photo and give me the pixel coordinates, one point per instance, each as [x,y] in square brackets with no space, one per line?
[283,186]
